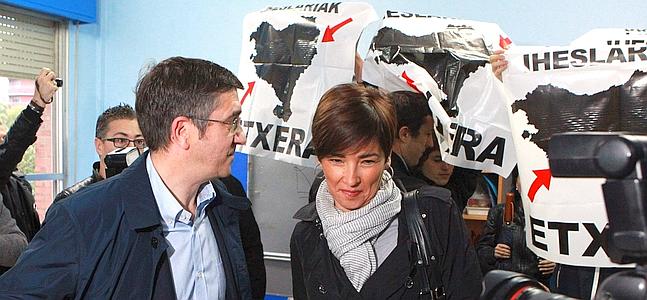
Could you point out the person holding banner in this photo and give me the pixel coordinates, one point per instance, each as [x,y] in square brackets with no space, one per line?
[573,281]
[353,241]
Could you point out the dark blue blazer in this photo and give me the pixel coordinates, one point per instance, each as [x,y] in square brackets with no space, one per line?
[106,242]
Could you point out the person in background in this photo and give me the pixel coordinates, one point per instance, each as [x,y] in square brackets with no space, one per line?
[434,171]
[352,241]
[116,128]
[12,240]
[161,229]
[414,134]
[15,190]
[503,246]
[573,281]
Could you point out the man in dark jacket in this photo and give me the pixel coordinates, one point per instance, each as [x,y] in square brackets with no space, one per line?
[15,190]
[161,229]
[116,128]
[414,136]
[120,122]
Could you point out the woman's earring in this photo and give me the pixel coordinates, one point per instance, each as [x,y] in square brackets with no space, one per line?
[389,169]
[318,171]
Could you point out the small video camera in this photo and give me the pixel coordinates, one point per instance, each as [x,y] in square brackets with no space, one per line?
[119,159]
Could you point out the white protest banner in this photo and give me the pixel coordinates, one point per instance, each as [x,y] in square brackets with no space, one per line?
[598,83]
[290,56]
[445,59]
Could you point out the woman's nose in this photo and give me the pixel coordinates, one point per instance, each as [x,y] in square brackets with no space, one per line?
[351,176]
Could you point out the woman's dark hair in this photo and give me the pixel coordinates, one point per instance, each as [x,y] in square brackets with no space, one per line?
[350,116]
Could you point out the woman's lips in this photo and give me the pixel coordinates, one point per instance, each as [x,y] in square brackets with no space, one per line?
[351,193]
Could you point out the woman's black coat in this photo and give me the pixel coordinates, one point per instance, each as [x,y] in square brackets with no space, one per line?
[317,274]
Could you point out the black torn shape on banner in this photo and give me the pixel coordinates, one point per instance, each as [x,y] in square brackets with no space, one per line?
[554,110]
[448,56]
[282,56]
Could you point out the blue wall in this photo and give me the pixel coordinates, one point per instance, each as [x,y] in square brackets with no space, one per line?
[106,57]
[78,10]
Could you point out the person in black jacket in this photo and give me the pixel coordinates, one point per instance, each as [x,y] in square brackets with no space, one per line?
[352,241]
[503,246]
[460,181]
[16,191]
[116,128]
[414,134]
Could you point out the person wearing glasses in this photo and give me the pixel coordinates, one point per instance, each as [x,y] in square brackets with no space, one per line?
[162,229]
[116,128]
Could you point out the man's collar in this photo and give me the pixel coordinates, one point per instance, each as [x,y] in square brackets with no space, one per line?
[398,162]
[95,172]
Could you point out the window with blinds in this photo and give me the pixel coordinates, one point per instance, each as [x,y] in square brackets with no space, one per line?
[30,41]
[27,43]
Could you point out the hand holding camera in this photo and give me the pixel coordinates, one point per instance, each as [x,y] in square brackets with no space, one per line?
[46,86]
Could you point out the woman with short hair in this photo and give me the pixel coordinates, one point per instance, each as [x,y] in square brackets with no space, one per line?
[352,241]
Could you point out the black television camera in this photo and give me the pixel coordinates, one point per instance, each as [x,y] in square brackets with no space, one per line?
[622,160]
[119,159]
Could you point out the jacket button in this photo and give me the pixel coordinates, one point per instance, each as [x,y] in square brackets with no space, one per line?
[322,289]
[423,216]
[154,242]
[321,236]
[409,282]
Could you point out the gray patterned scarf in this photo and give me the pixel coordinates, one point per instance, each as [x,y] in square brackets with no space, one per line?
[351,234]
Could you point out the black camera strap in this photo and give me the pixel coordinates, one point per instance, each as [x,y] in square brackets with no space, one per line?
[421,240]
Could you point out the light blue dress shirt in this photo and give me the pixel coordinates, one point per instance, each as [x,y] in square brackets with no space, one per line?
[196,264]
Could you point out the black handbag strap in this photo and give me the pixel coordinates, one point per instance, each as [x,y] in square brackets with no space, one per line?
[432,284]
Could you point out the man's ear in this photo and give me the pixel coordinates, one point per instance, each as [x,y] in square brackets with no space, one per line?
[98,146]
[181,130]
[404,134]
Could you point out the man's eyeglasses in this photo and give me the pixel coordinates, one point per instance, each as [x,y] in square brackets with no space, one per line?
[233,125]
[124,142]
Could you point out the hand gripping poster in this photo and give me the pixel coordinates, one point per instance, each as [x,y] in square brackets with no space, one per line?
[446,60]
[598,83]
[290,56]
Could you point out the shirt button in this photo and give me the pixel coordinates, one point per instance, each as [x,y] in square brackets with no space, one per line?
[200,274]
[322,289]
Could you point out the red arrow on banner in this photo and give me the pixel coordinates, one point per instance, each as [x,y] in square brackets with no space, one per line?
[543,179]
[410,81]
[504,42]
[327,37]
[250,87]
